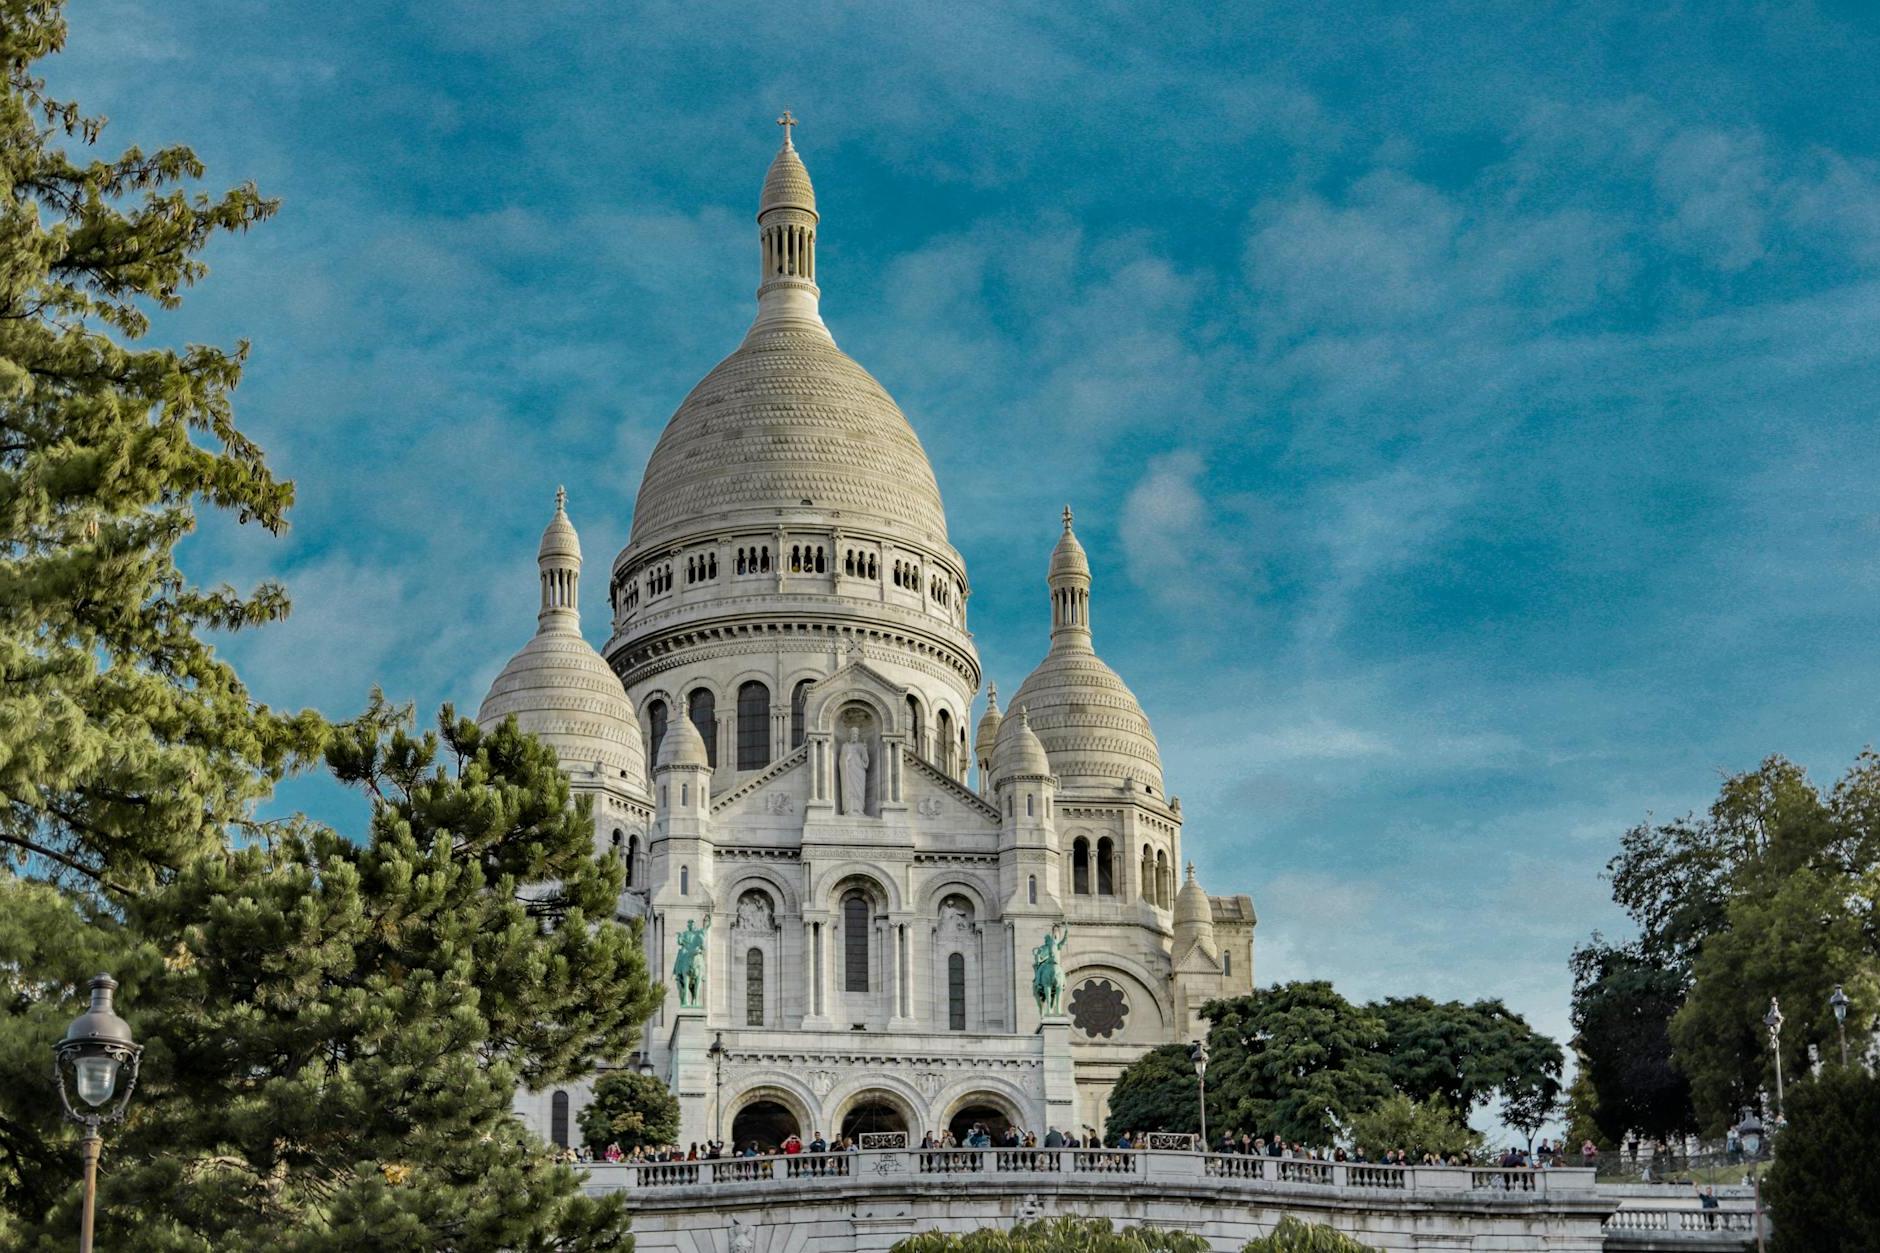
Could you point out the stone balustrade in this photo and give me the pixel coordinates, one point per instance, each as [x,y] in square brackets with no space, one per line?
[1163,1167]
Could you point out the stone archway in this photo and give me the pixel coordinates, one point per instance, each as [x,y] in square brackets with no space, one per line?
[765,1122]
[872,1112]
[991,1117]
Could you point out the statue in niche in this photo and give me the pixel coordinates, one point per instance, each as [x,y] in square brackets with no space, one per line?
[754,912]
[688,968]
[853,765]
[956,916]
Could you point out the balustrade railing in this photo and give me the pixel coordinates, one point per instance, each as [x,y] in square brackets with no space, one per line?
[1171,1167]
[1691,1221]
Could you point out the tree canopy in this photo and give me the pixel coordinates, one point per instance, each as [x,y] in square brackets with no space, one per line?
[631,1110]
[127,746]
[334,1024]
[1822,1185]
[1056,1235]
[1293,1236]
[1299,1061]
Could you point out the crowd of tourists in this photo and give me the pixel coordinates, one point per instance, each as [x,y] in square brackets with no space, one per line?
[1545,1155]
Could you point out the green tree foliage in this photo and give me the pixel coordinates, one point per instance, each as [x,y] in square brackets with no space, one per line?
[1293,1236]
[1417,1127]
[1463,1055]
[1159,1092]
[1823,1187]
[336,1030]
[126,746]
[630,1110]
[1295,1060]
[1623,1002]
[1056,1235]
[1800,917]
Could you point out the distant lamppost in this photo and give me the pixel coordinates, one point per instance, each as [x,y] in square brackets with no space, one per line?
[1839,1003]
[1773,1021]
[717,1053]
[1198,1053]
[97,1047]
[1751,1129]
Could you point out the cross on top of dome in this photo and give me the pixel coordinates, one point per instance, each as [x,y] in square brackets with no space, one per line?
[786,121]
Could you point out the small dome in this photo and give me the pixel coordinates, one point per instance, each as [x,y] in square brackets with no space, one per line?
[787,185]
[559,540]
[1194,916]
[1090,722]
[1018,751]
[683,745]
[1068,559]
[559,690]
[986,741]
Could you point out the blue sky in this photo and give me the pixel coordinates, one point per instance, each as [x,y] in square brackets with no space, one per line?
[1468,409]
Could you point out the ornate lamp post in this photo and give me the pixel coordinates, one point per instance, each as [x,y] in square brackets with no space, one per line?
[1198,1053]
[1751,1129]
[1773,1021]
[717,1053]
[97,1050]
[1839,1003]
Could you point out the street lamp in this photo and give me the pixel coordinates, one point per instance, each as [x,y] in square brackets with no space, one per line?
[1839,1003]
[1198,1054]
[1773,1021]
[717,1053]
[97,1048]
[1751,1130]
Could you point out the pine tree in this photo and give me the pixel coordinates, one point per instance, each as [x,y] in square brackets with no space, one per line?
[126,745]
[336,1030]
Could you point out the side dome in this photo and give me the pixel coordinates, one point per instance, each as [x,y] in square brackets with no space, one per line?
[560,691]
[557,688]
[1194,916]
[986,739]
[1089,720]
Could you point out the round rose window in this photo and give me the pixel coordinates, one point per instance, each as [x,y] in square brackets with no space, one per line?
[1098,1007]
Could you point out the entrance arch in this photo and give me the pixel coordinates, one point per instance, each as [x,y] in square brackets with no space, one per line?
[765,1122]
[992,1117]
[874,1111]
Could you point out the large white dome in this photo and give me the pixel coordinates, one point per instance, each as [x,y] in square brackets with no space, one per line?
[787,424]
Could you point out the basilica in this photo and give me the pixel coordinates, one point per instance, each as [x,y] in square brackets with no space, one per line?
[847,883]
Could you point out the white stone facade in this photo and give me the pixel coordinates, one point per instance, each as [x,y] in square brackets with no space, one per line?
[776,736]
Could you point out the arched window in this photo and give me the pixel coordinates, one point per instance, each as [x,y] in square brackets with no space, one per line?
[685,881]
[821,567]
[913,726]
[1080,867]
[1227,961]
[956,992]
[753,726]
[796,559]
[633,858]
[874,569]
[943,740]
[558,1120]
[704,712]
[754,988]
[1146,872]
[1106,868]
[1031,890]
[799,702]
[1162,892]
[763,559]
[848,562]
[740,566]
[656,731]
[855,942]
[1031,805]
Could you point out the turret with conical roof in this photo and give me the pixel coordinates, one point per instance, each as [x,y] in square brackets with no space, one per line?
[1194,918]
[987,738]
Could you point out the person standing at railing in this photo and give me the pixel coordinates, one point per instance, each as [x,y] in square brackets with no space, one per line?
[1707,1200]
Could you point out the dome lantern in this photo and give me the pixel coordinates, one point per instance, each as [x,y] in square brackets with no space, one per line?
[786,232]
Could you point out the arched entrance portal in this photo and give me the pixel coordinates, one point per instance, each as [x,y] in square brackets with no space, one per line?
[872,1113]
[989,1116]
[766,1123]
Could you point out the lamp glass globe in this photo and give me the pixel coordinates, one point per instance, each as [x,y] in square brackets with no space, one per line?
[97,1079]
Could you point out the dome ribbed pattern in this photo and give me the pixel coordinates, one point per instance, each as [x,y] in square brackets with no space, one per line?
[560,691]
[683,745]
[1068,559]
[788,418]
[559,540]
[787,185]
[1090,722]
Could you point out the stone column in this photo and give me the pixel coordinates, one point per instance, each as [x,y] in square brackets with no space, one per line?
[815,961]
[691,1074]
